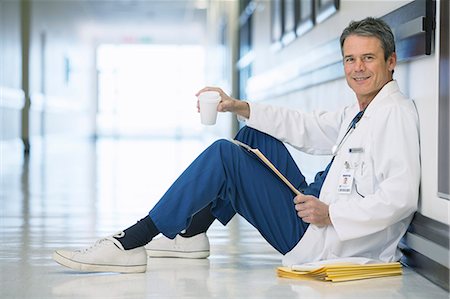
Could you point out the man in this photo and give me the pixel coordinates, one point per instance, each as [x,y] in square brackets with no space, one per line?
[359,206]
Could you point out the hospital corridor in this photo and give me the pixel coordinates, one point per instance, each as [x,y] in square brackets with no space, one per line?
[98,117]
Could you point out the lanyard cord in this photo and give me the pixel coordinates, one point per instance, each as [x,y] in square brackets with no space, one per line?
[356,119]
[351,127]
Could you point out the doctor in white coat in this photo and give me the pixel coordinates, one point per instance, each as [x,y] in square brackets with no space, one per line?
[372,188]
[360,206]
[371,191]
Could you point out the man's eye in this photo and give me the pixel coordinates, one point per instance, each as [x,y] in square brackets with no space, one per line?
[368,58]
[348,60]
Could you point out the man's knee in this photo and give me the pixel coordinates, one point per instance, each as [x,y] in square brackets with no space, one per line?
[246,133]
[222,145]
[247,130]
[254,137]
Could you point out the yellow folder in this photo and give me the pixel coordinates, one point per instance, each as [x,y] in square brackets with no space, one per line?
[341,272]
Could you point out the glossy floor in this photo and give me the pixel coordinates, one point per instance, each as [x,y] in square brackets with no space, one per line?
[69,193]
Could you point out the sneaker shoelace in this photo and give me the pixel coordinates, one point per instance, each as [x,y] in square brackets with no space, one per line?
[92,247]
[99,242]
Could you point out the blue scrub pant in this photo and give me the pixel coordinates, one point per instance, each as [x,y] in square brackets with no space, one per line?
[234,180]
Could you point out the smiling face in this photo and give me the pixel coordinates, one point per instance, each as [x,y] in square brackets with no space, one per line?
[366,69]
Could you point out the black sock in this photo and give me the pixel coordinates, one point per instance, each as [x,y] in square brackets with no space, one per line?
[139,234]
[200,222]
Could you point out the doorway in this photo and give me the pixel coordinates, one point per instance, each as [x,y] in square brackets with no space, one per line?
[149,90]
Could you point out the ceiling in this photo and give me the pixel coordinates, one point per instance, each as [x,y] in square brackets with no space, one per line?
[152,11]
[163,21]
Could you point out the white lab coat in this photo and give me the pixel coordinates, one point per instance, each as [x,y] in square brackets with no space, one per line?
[386,168]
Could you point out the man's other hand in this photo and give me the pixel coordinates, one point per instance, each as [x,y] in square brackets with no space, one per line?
[312,210]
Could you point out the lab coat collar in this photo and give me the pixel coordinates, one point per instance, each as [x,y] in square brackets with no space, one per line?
[383,95]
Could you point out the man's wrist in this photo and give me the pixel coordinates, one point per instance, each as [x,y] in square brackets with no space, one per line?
[242,108]
[328,217]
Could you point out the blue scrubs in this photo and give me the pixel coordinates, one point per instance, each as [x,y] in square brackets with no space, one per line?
[234,181]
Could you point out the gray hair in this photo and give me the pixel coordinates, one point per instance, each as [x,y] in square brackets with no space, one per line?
[371,27]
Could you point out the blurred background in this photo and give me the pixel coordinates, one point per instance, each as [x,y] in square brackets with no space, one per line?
[112,68]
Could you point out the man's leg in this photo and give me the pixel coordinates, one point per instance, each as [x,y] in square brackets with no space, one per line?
[234,180]
[202,220]
[276,152]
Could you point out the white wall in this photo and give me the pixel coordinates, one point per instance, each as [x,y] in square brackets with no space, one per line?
[62,71]
[11,95]
[10,45]
[10,49]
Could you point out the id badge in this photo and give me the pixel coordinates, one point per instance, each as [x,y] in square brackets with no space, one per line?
[346,179]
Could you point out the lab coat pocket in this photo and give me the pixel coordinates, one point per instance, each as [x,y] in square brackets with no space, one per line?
[363,174]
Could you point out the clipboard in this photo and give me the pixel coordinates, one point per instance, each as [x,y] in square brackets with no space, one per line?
[266,161]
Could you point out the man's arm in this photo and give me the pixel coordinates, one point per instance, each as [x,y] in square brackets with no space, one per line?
[313,133]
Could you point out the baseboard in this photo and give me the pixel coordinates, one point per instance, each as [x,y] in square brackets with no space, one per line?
[426,249]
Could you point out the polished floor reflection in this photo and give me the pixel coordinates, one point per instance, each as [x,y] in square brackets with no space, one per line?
[69,193]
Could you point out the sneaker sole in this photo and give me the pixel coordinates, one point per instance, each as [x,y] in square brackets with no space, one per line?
[84,267]
[178,254]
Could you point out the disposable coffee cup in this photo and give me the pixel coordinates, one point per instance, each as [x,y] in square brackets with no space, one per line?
[208,101]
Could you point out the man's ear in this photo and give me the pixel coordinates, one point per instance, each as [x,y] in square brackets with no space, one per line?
[392,61]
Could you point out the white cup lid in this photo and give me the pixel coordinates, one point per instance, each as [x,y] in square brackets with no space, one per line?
[209,95]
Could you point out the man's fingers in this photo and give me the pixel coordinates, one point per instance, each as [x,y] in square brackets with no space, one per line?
[300,207]
[302,214]
[303,198]
[299,198]
[208,88]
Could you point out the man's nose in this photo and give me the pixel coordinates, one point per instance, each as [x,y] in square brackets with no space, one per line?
[359,65]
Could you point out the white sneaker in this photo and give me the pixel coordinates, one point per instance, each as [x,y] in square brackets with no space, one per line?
[196,247]
[106,255]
